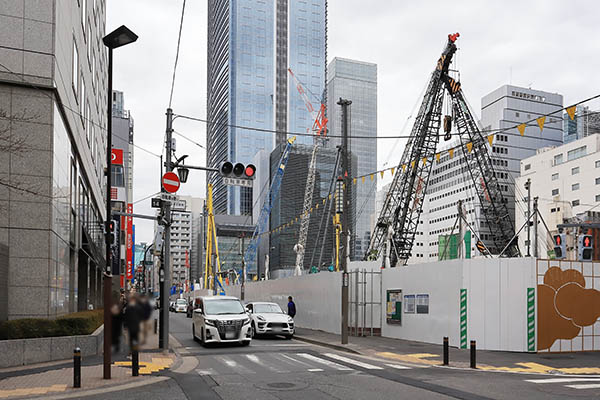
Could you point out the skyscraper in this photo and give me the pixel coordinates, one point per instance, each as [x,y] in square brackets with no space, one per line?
[583,124]
[356,81]
[251,45]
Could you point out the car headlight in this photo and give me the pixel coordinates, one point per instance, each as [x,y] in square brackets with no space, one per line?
[260,318]
[290,319]
[246,321]
[210,322]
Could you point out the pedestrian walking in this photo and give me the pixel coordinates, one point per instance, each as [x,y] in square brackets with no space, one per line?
[291,307]
[133,319]
[146,310]
[117,323]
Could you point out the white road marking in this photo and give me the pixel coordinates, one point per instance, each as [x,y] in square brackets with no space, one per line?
[315,370]
[258,361]
[328,363]
[396,366]
[209,371]
[351,361]
[562,380]
[233,364]
[296,361]
[585,386]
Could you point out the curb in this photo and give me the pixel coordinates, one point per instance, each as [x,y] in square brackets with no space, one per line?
[107,389]
[327,344]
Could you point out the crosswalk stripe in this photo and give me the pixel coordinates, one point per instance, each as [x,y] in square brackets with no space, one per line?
[351,361]
[562,380]
[258,361]
[585,386]
[235,365]
[325,362]
[396,366]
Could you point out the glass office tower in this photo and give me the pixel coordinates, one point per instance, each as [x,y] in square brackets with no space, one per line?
[251,44]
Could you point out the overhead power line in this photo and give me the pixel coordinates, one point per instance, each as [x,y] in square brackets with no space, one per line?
[177,53]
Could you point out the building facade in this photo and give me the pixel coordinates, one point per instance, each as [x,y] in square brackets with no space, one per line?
[356,81]
[566,182]
[251,45]
[584,123]
[53,100]
[450,180]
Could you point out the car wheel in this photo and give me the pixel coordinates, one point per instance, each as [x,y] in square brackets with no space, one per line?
[289,337]
[252,330]
[246,343]
[202,341]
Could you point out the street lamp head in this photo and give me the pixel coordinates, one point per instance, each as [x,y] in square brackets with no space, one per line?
[119,37]
[183,174]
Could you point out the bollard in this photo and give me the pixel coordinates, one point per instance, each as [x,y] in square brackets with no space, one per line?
[77,367]
[155,325]
[446,350]
[473,348]
[135,360]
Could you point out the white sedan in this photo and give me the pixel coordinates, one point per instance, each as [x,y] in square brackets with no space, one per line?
[269,319]
[180,306]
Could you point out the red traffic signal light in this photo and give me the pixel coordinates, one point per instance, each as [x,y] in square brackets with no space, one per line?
[587,241]
[250,171]
[557,240]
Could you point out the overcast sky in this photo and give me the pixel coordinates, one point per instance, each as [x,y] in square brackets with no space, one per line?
[547,45]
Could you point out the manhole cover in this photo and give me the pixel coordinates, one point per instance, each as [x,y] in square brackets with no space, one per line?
[281,385]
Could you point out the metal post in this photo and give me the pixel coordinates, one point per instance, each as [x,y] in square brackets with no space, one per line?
[107,238]
[535,227]
[166,284]
[528,187]
[460,230]
[242,289]
[135,359]
[473,350]
[446,352]
[345,217]
[77,367]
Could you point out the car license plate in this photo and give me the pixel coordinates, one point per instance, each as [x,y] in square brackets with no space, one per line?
[230,333]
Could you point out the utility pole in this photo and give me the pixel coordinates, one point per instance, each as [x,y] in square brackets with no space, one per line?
[535,227]
[163,339]
[528,187]
[345,216]
[242,288]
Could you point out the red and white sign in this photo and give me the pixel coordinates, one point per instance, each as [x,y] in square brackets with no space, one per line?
[116,156]
[170,182]
[129,250]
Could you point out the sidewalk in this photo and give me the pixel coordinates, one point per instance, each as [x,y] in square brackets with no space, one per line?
[426,354]
[56,378]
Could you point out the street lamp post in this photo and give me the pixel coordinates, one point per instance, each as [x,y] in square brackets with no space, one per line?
[117,38]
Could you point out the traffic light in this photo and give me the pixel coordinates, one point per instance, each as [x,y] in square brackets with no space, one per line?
[560,246]
[114,231]
[238,170]
[584,248]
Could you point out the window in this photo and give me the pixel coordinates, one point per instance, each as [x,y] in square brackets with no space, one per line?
[597,198]
[75,77]
[422,304]
[576,153]
[82,101]
[555,176]
[575,186]
[598,164]
[554,192]
[527,167]
[574,171]
[517,115]
[575,203]
[83,15]
[409,304]
[597,181]
[117,178]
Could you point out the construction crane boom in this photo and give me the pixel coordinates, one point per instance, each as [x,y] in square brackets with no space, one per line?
[263,219]
[399,218]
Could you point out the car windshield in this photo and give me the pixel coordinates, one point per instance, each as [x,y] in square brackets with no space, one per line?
[267,308]
[218,307]
[181,301]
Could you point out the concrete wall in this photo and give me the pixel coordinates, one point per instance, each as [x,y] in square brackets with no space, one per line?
[317,298]
[32,351]
[496,301]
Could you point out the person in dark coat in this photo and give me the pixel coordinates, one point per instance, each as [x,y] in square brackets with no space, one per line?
[291,307]
[117,322]
[133,319]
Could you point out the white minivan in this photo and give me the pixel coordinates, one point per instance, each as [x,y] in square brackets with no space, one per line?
[220,319]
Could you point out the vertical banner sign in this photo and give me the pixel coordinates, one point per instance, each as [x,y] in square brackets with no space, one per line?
[530,319]
[116,250]
[129,252]
[133,251]
[463,318]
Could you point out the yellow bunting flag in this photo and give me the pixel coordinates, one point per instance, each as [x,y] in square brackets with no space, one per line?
[372,176]
[424,160]
[540,122]
[451,153]
[324,200]
[330,197]
[363,179]
[571,112]
[381,173]
[491,139]
[393,169]
[354,181]
[412,164]
[469,147]
[437,157]
[317,206]
[521,129]
[403,167]
[311,209]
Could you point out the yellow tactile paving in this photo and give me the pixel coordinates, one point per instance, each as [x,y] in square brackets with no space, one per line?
[147,367]
[32,391]
[527,367]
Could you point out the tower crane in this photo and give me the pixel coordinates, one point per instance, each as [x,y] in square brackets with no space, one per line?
[320,130]
[399,218]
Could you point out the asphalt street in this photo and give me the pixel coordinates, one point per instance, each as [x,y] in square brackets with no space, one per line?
[275,368]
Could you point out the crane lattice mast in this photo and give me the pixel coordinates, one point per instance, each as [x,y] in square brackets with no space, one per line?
[399,218]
